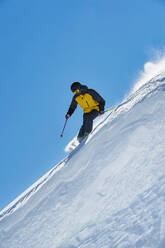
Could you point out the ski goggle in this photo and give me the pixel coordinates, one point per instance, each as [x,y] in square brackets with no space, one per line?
[76,91]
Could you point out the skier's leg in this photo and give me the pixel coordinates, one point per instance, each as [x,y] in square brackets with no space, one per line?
[82,129]
[89,123]
[87,126]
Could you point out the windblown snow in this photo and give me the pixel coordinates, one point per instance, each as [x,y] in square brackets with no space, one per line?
[110,191]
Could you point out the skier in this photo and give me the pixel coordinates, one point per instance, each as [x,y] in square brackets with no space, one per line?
[92,104]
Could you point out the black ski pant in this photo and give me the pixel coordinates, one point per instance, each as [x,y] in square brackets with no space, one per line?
[87,123]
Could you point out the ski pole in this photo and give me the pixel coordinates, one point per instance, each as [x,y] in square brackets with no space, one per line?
[63,128]
[107,110]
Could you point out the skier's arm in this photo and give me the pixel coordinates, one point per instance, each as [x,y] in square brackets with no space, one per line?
[98,99]
[72,107]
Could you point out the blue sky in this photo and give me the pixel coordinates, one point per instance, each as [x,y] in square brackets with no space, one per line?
[44,47]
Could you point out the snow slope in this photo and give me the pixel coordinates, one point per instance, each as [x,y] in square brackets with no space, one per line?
[108,193]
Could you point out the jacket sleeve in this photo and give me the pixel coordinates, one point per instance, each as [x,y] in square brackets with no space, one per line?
[72,107]
[97,98]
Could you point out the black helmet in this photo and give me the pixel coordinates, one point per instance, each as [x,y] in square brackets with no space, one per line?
[75,86]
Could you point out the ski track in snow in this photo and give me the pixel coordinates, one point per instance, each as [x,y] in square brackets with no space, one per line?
[112,196]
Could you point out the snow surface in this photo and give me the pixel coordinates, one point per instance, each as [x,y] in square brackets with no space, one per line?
[109,192]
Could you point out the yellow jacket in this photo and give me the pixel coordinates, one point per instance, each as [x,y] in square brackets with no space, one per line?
[88,99]
[87,102]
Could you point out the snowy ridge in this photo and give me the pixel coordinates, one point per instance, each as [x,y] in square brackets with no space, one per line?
[24,197]
[144,91]
[108,193]
[151,70]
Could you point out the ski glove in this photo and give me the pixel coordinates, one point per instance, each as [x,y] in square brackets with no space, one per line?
[67,116]
[101,112]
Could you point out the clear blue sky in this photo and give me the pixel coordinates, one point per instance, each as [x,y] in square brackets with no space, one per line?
[44,47]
